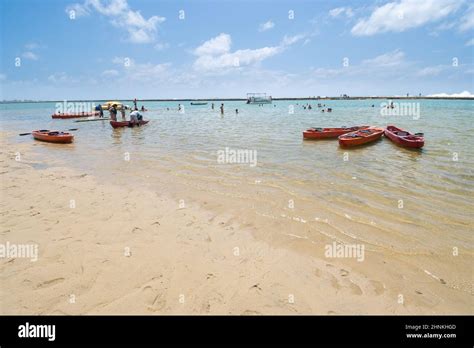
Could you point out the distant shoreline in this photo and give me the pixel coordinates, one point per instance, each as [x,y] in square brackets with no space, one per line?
[235,99]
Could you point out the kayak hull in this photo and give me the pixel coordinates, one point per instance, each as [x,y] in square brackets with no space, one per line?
[94,119]
[361,137]
[327,133]
[119,124]
[68,116]
[53,137]
[404,138]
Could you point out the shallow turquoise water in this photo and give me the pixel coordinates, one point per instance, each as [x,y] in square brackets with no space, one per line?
[435,184]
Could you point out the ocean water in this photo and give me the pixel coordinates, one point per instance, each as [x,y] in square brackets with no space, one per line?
[410,202]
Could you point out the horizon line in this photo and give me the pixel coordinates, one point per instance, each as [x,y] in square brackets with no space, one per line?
[235,99]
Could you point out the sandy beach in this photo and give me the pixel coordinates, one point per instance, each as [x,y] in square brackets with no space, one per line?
[122,249]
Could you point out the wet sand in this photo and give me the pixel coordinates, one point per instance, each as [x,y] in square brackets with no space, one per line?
[125,249]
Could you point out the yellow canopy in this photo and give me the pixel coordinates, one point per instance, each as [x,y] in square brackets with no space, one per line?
[110,103]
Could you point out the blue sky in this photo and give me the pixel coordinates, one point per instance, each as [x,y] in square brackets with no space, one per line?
[98,49]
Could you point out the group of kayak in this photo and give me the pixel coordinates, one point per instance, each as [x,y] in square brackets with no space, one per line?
[358,135]
[136,119]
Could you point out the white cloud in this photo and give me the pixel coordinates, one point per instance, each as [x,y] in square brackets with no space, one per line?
[430,71]
[389,59]
[148,72]
[404,15]
[143,72]
[29,55]
[78,10]
[218,45]
[470,42]
[140,30]
[236,59]
[464,94]
[336,12]
[161,46]
[467,21]
[31,46]
[290,40]
[266,26]
[215,54]
[110,73]
[61,77]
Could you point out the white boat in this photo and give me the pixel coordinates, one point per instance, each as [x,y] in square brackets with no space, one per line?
[258,98]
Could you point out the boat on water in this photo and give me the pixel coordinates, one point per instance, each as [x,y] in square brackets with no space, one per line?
[258,98]
[404,138]
[119,124]
[326,133]
[76,115]
[198,103]
[53,136]
[360,137]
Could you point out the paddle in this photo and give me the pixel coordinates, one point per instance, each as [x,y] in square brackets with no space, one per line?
[47,130]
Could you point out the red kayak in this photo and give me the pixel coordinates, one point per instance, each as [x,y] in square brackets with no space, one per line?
[324,133]
[404,138]
[118,124]
[82,114]
[53,136]
[360,137]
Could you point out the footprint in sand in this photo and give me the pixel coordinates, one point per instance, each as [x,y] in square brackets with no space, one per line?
[355,289]
[49,283]
[317,272]
[334,282]
[379,288]
[343,272]
[152,298]
[251,312]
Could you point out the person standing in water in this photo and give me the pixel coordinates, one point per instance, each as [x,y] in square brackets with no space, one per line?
[101,111]
[222,108]
[122,111]
[135,104]
[113,112]
[212,106]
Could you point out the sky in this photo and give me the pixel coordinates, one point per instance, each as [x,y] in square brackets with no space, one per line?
[122,49]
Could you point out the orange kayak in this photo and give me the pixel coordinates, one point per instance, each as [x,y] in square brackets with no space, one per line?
[324,133]
[53,136]
[404,138]
[82,114]
[360,137]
